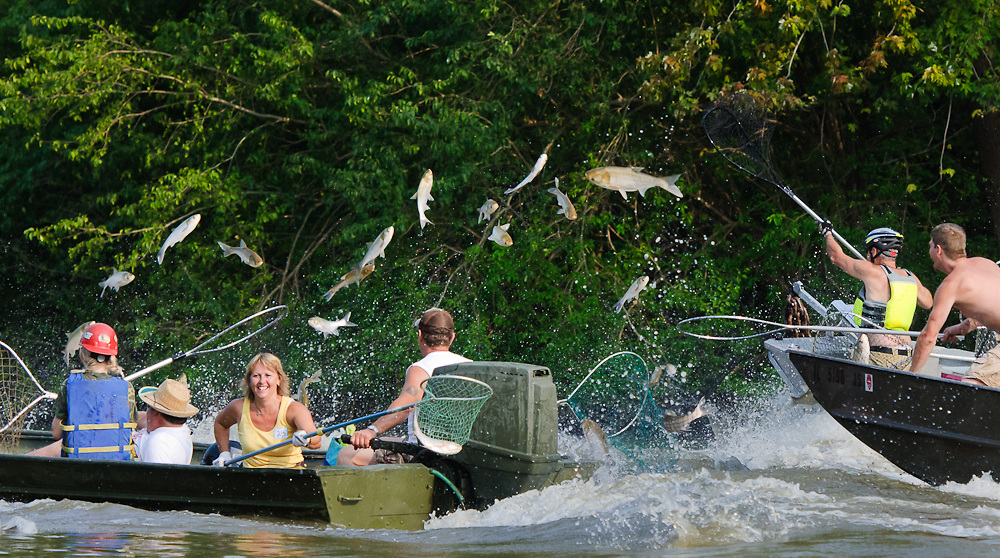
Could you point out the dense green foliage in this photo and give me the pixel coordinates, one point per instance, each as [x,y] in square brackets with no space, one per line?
[303,128]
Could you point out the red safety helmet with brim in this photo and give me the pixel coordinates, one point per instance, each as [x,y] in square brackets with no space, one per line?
[100,339]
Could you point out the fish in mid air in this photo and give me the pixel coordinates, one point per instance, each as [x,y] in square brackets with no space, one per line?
[500,235]
[326,327]
[673,422]
[487,209]
[637,286]
[73,340]
[303,394]
[178,234]
[565,205]
[630,179]
[423,196]
[595,436]
[348,278]
[539,164]
[116,280]
[375,249]
[670,369]
[248,256]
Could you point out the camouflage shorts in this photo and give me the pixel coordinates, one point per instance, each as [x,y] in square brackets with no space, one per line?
[986,368]
[390,457]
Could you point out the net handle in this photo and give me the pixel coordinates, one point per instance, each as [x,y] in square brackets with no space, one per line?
[282,312]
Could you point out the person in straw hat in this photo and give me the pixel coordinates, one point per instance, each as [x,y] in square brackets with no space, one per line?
[166,437]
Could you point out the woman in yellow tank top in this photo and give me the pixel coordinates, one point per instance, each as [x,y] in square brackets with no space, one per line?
[266,415]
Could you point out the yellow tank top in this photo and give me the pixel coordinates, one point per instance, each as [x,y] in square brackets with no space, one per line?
[253,439]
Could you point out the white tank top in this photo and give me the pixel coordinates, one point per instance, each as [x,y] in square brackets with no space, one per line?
[433,360]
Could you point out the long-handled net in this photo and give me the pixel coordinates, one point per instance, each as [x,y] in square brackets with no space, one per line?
[443,420]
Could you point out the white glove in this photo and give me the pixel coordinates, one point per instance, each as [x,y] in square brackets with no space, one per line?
[221,460]
[300,439]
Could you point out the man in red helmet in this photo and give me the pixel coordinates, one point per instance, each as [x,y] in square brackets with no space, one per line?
[95,410]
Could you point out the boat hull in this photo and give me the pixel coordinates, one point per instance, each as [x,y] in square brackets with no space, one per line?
[936,429]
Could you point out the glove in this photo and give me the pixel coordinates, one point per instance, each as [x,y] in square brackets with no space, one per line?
[825,227]
[221,460]
[300,439]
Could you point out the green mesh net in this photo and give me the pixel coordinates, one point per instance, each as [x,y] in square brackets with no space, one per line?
[450,407]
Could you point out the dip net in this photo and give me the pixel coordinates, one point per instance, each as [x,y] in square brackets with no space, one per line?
[16,393]
[450,407]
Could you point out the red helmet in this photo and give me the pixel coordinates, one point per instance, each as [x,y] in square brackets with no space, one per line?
[100,339]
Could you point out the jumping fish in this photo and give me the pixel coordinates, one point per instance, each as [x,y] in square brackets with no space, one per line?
[673,422]
[630,179]
[565,205]
[595,436]
[303,394]
[670,369]
[423,196]
[326,327]
[73,340]
[487,209]
[637,286]
[178,234]
[375,249]
[531,176]
[248,256]
[500,235]
[116,280]
[348,278]
[862,350]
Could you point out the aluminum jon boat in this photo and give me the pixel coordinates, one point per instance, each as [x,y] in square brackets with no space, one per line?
[512,450]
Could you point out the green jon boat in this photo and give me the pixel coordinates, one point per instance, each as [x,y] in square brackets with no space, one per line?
[512,449]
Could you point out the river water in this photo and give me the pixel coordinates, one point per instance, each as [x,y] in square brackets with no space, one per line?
[779,480]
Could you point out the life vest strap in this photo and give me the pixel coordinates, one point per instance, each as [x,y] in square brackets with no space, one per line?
[110,426]
[105,449]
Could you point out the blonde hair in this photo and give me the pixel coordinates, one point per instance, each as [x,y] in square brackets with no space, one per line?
[108,363]
[951,238]
[271,363]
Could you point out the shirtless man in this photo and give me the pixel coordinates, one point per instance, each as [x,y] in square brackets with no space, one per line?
[971,287]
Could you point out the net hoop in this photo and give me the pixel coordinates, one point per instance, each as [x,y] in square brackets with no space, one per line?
[443,420]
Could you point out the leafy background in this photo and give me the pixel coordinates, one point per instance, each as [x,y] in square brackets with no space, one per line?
[304,127]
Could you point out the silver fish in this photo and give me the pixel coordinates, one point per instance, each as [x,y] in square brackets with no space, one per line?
[487,209]
[348,278]
[595,436]
[637,286]
[423,196]
[539,164]
[565,205]
[500,235]
[670,369]
[178,234]
[116,280]
[73,340]
[630,179]
[326,327]
[375,249]
[303,394]
[245,254]
[674,423]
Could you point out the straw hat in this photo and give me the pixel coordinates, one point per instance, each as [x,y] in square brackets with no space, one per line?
[171,398]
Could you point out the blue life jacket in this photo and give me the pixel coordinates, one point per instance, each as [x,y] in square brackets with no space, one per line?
[98,424]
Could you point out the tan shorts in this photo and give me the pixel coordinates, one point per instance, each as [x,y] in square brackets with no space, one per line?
[384,456]
[887,360]
[986,368]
